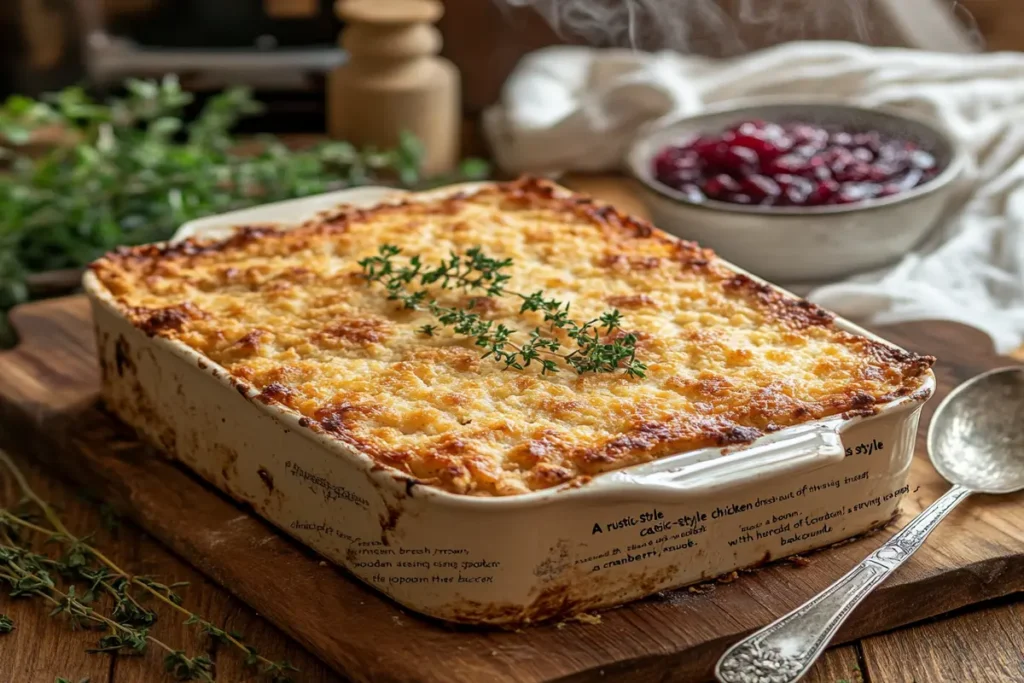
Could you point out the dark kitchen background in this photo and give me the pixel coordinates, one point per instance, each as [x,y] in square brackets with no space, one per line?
[283,48]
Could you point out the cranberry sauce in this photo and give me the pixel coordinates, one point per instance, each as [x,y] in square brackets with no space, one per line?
[793,164]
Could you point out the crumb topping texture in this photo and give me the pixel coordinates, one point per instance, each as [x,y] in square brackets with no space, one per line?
[289,313]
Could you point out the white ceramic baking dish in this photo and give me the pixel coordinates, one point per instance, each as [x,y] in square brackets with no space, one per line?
[508,560]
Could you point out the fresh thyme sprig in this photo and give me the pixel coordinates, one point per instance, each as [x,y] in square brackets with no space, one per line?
[133,168]
[598,345]
[26,577]
[129,622]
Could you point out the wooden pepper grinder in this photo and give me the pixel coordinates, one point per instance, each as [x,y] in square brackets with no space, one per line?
[394,80]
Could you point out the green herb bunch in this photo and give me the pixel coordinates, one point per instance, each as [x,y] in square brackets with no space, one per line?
[134,170]
[88,589]
[598,345]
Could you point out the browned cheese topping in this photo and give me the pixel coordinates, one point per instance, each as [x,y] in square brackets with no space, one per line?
[288,312]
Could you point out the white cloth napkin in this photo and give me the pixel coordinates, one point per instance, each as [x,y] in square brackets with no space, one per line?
[578,109]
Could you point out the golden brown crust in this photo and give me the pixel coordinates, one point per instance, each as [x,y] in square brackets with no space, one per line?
[287,313]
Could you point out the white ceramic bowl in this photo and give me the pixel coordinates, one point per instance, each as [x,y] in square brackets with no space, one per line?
[802,244]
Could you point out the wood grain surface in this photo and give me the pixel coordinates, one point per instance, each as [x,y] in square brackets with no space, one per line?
[47,403]
[935,652]
[42,648]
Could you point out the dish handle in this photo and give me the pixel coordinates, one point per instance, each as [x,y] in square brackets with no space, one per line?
[789,453]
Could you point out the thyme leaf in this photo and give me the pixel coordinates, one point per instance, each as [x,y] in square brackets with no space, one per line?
[185,668]
[598,345]
[83,580]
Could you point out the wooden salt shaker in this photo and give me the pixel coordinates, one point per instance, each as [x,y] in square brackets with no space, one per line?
[394,80]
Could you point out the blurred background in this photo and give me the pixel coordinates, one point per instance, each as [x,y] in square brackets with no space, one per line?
[284,48]
[98,149]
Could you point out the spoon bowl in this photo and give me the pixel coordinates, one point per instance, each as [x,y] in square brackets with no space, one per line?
[976,438]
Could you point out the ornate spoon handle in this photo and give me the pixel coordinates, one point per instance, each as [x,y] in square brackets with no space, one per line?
[783,651]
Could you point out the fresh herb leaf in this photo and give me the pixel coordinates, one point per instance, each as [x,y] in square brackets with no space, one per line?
[185,668]
[599,345]
[87,574]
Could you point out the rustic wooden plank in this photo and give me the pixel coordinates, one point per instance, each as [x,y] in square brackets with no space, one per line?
[974,556]
[981,646]
[1000,22]
[146,557]
[838,665]
[41,648]
[272,643]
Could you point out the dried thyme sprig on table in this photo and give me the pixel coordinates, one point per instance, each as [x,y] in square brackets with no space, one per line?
[22,570]
[598,345]
[128,625]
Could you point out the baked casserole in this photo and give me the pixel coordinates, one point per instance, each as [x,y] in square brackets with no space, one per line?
[289,312]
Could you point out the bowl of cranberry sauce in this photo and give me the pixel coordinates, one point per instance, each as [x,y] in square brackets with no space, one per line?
[793,163]
[798,192]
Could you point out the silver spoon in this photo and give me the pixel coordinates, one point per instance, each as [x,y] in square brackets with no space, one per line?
[976,442]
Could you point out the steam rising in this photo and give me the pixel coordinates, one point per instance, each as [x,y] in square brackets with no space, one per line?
[699,25]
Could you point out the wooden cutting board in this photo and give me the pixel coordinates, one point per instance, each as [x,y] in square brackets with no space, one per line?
[48,407]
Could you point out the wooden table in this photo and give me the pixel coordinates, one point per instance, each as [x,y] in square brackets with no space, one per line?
[980,645]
